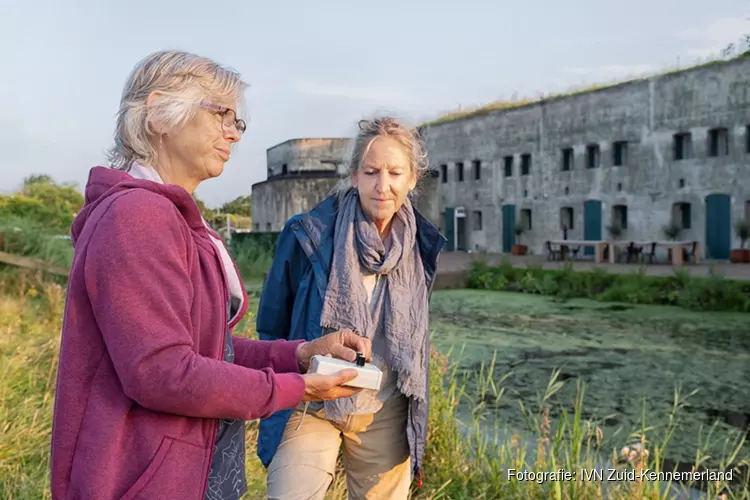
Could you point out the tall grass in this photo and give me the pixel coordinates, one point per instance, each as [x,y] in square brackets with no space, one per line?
[570,444]
[26,237]
[30,323]
[253,258]
[465,459]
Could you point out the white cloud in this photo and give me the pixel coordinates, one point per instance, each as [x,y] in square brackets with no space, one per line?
[361,93]
[714,36]
[699,42]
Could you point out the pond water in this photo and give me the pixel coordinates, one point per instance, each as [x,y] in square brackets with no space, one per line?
[628,357]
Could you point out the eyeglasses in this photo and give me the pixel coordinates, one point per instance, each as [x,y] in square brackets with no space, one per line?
[228,117]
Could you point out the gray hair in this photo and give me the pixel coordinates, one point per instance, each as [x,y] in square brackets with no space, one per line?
[183,80]
[385,126]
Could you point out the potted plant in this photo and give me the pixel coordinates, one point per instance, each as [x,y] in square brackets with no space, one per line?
[672,232]
[519,249]
[742,254]
[615,231]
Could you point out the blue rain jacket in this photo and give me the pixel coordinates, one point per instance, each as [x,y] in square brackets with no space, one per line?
[292,301]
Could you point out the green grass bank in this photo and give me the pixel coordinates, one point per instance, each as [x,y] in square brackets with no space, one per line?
[576,363]
[459,464]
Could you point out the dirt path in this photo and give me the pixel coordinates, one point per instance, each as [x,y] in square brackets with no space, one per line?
[451,262]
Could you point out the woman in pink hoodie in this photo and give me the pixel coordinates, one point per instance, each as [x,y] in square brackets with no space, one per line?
[153,390]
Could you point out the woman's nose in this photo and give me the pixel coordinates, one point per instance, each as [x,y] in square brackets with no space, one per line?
[232,134]
[383,182]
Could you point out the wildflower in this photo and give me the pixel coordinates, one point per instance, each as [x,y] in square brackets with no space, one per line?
[545,424]
[633,453]
[514,441]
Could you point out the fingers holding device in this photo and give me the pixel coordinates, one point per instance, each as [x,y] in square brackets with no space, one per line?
[367,376]
[331,378]
[343,344]
[327,386]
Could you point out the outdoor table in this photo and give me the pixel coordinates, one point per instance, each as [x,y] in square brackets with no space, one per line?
[675,246]
[614,244]
[599,246]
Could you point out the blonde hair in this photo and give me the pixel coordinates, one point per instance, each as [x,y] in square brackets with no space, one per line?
[386,126]
[183,81]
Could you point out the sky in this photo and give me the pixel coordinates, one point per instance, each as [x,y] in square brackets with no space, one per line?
[316,68]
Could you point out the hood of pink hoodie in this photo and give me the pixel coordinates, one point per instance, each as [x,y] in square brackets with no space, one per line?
[104,182]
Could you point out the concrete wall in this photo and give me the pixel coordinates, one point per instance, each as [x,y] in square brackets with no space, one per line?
[426,198]
[309,179]
[277,199]
[646,114]
[301,155]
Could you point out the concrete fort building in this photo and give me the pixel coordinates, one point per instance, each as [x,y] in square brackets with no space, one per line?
[640,155]
[302,172]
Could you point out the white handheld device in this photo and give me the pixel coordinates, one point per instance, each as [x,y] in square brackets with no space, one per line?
[369,376]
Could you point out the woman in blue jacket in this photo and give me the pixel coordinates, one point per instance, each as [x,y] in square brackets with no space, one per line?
[363,259]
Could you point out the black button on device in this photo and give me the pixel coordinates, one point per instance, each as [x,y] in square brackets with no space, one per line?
[360,359]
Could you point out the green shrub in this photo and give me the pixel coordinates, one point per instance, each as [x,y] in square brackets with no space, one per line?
[253,257]
[27,237]
[50,205]
[714,293]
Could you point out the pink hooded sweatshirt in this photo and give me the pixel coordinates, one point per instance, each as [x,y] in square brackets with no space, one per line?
[141,381]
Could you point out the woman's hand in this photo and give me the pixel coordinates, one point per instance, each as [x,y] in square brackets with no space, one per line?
[326,387]
[343,344]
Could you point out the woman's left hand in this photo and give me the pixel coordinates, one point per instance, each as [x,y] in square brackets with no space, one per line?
[343,344]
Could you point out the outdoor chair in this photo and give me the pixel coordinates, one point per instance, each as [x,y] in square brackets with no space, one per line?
[632,253]
[553,253]
[637,255]
[651,256]
[689,255]
[626,253]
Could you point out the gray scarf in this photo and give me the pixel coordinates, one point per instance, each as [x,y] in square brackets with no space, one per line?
[403,307]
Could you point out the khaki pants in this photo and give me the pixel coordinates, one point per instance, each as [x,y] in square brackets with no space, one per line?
[376,456]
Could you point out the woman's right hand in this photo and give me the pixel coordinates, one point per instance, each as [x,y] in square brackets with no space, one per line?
[326,387]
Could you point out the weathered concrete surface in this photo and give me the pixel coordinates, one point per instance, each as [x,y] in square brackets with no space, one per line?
[314,154]
[646,114]
[281,197]
[301,172]
[426,199]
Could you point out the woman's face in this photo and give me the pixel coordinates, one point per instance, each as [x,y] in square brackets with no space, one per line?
[384,179]
[199,150]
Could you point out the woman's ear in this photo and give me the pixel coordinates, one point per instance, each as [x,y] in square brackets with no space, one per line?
[155,127]
[413,182]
